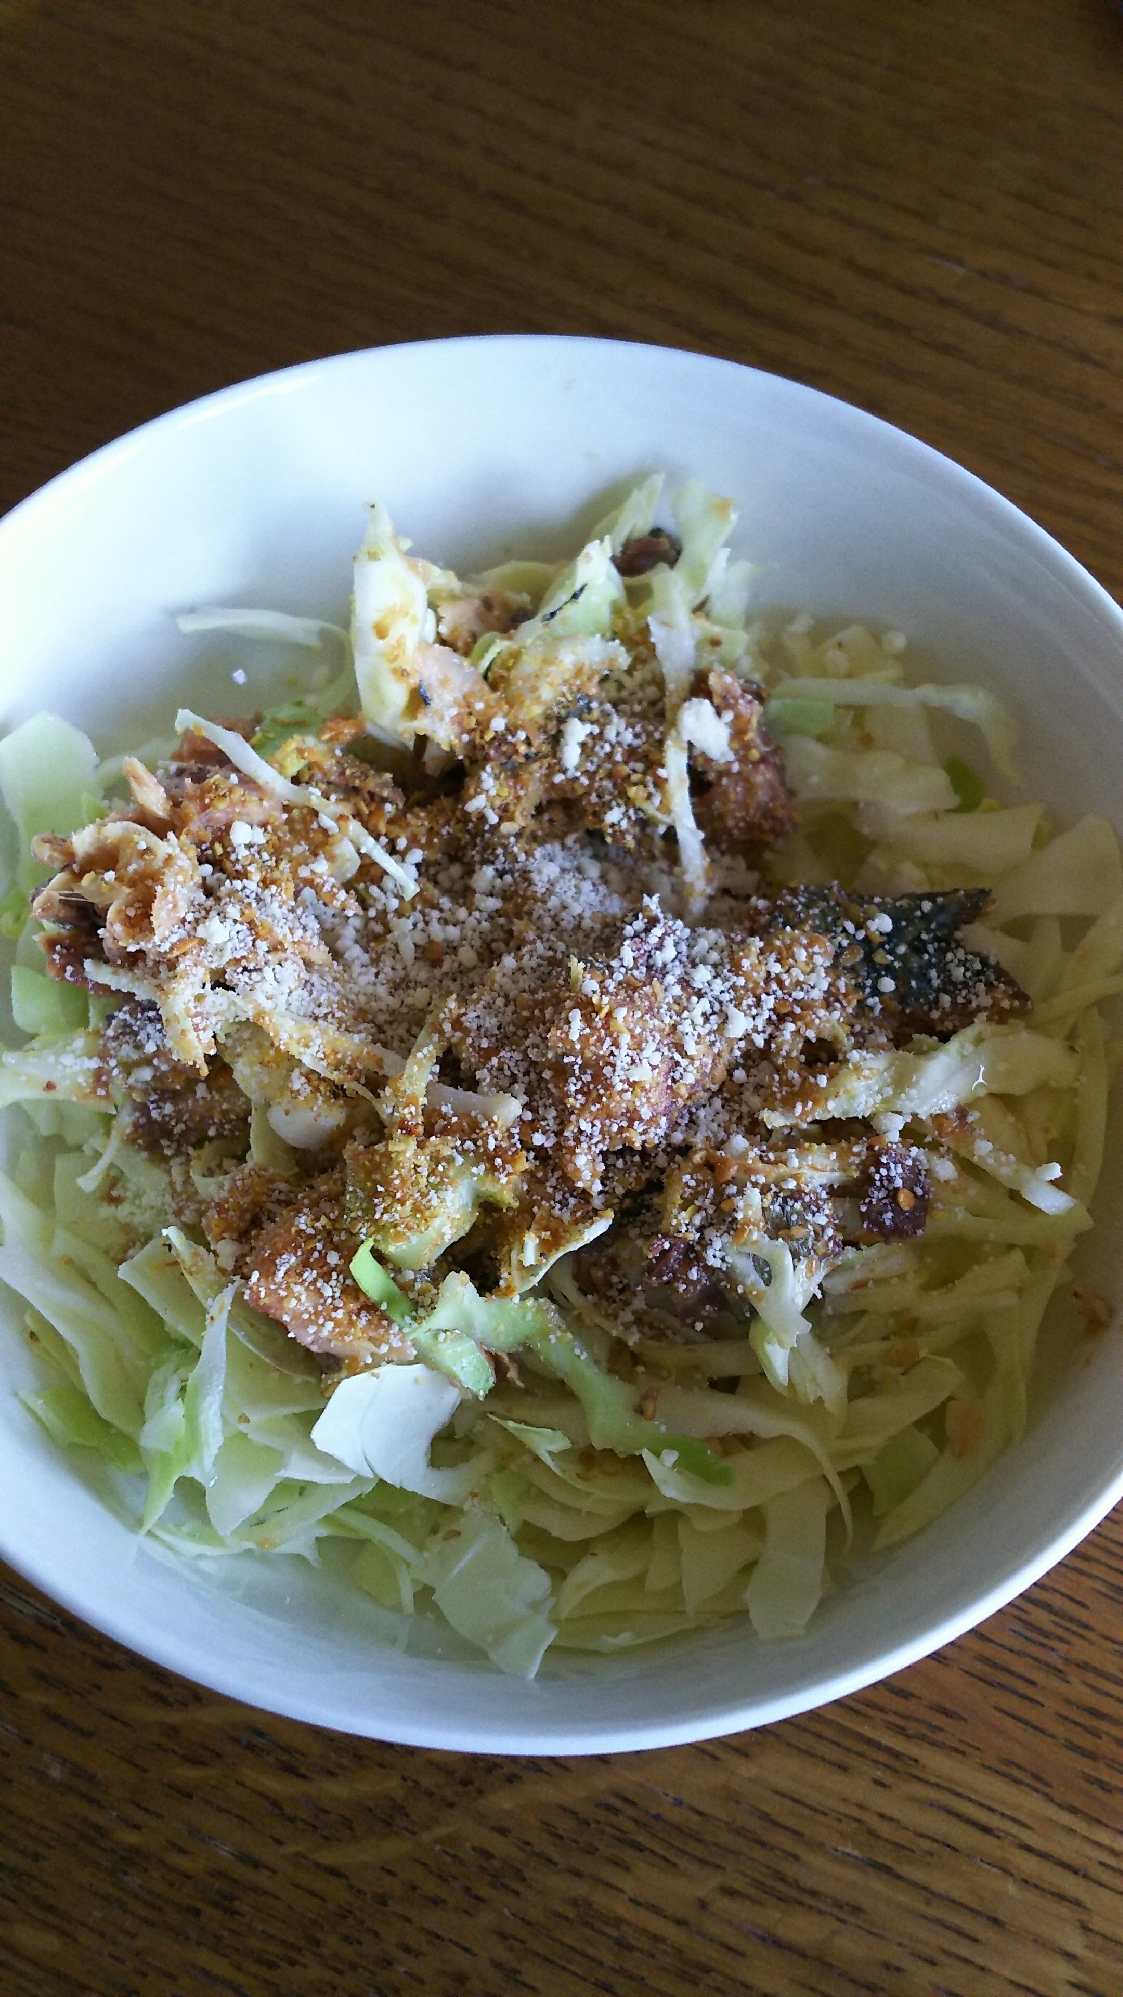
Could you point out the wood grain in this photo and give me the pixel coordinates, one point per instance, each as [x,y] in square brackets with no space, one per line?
[915,206]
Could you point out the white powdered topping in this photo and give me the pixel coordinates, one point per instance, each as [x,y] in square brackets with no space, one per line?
[700,723]
[572,736]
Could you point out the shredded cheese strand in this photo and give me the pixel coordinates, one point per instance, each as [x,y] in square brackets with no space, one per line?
[246,759]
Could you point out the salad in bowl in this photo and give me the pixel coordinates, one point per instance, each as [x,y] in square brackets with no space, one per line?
[574,1115]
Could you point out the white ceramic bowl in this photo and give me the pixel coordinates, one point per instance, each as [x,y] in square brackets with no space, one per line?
[482,447]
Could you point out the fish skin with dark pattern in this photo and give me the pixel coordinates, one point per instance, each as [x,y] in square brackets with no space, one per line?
[939,986]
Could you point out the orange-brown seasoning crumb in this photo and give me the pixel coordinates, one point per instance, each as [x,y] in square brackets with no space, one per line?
[300,1274]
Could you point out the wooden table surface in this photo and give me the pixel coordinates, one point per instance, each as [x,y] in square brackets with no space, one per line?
[914,204]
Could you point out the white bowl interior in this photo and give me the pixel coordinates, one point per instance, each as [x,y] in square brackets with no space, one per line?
[483,448]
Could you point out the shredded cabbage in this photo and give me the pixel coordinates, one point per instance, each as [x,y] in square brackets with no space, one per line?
[390,616]
[1077,873]
[40,1005]
[967,703]
[635,515]
[381,1424]
[48,779]
[787,1581]
[581,604]
[491,1593]
[821,774]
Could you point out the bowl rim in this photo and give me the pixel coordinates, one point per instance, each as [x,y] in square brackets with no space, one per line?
[492,1734]
[285,380]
